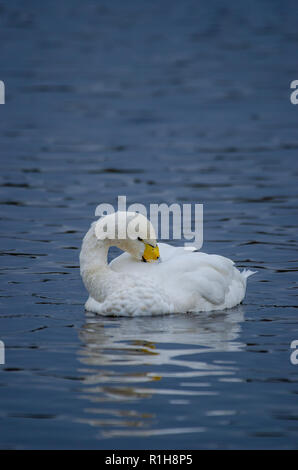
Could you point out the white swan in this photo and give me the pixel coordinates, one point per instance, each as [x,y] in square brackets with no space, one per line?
[185,281]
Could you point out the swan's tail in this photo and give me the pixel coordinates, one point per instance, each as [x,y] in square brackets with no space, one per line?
[246,273]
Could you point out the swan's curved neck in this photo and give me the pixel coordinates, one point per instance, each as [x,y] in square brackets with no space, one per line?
[95,271]
[94,252]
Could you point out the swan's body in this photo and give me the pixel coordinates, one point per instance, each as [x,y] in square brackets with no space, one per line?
[185,281]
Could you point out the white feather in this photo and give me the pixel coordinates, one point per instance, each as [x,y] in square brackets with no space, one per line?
[185,281]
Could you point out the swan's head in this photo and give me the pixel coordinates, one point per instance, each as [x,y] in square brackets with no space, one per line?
[130,232]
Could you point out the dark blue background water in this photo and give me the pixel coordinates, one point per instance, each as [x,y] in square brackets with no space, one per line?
[164,101]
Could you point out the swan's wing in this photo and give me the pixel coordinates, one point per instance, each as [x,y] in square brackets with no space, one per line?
[170,252]
[124,263]
[201,275]
[192,280]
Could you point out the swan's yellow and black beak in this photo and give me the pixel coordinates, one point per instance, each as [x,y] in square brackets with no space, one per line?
[151,253]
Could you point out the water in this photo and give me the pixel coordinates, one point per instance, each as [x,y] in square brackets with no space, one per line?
[162,102]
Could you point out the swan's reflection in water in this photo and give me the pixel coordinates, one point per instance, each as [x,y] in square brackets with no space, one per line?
[134,369]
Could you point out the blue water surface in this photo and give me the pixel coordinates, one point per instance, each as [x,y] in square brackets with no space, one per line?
[170,101]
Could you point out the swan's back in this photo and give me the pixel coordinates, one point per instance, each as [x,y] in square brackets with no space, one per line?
[194,281]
